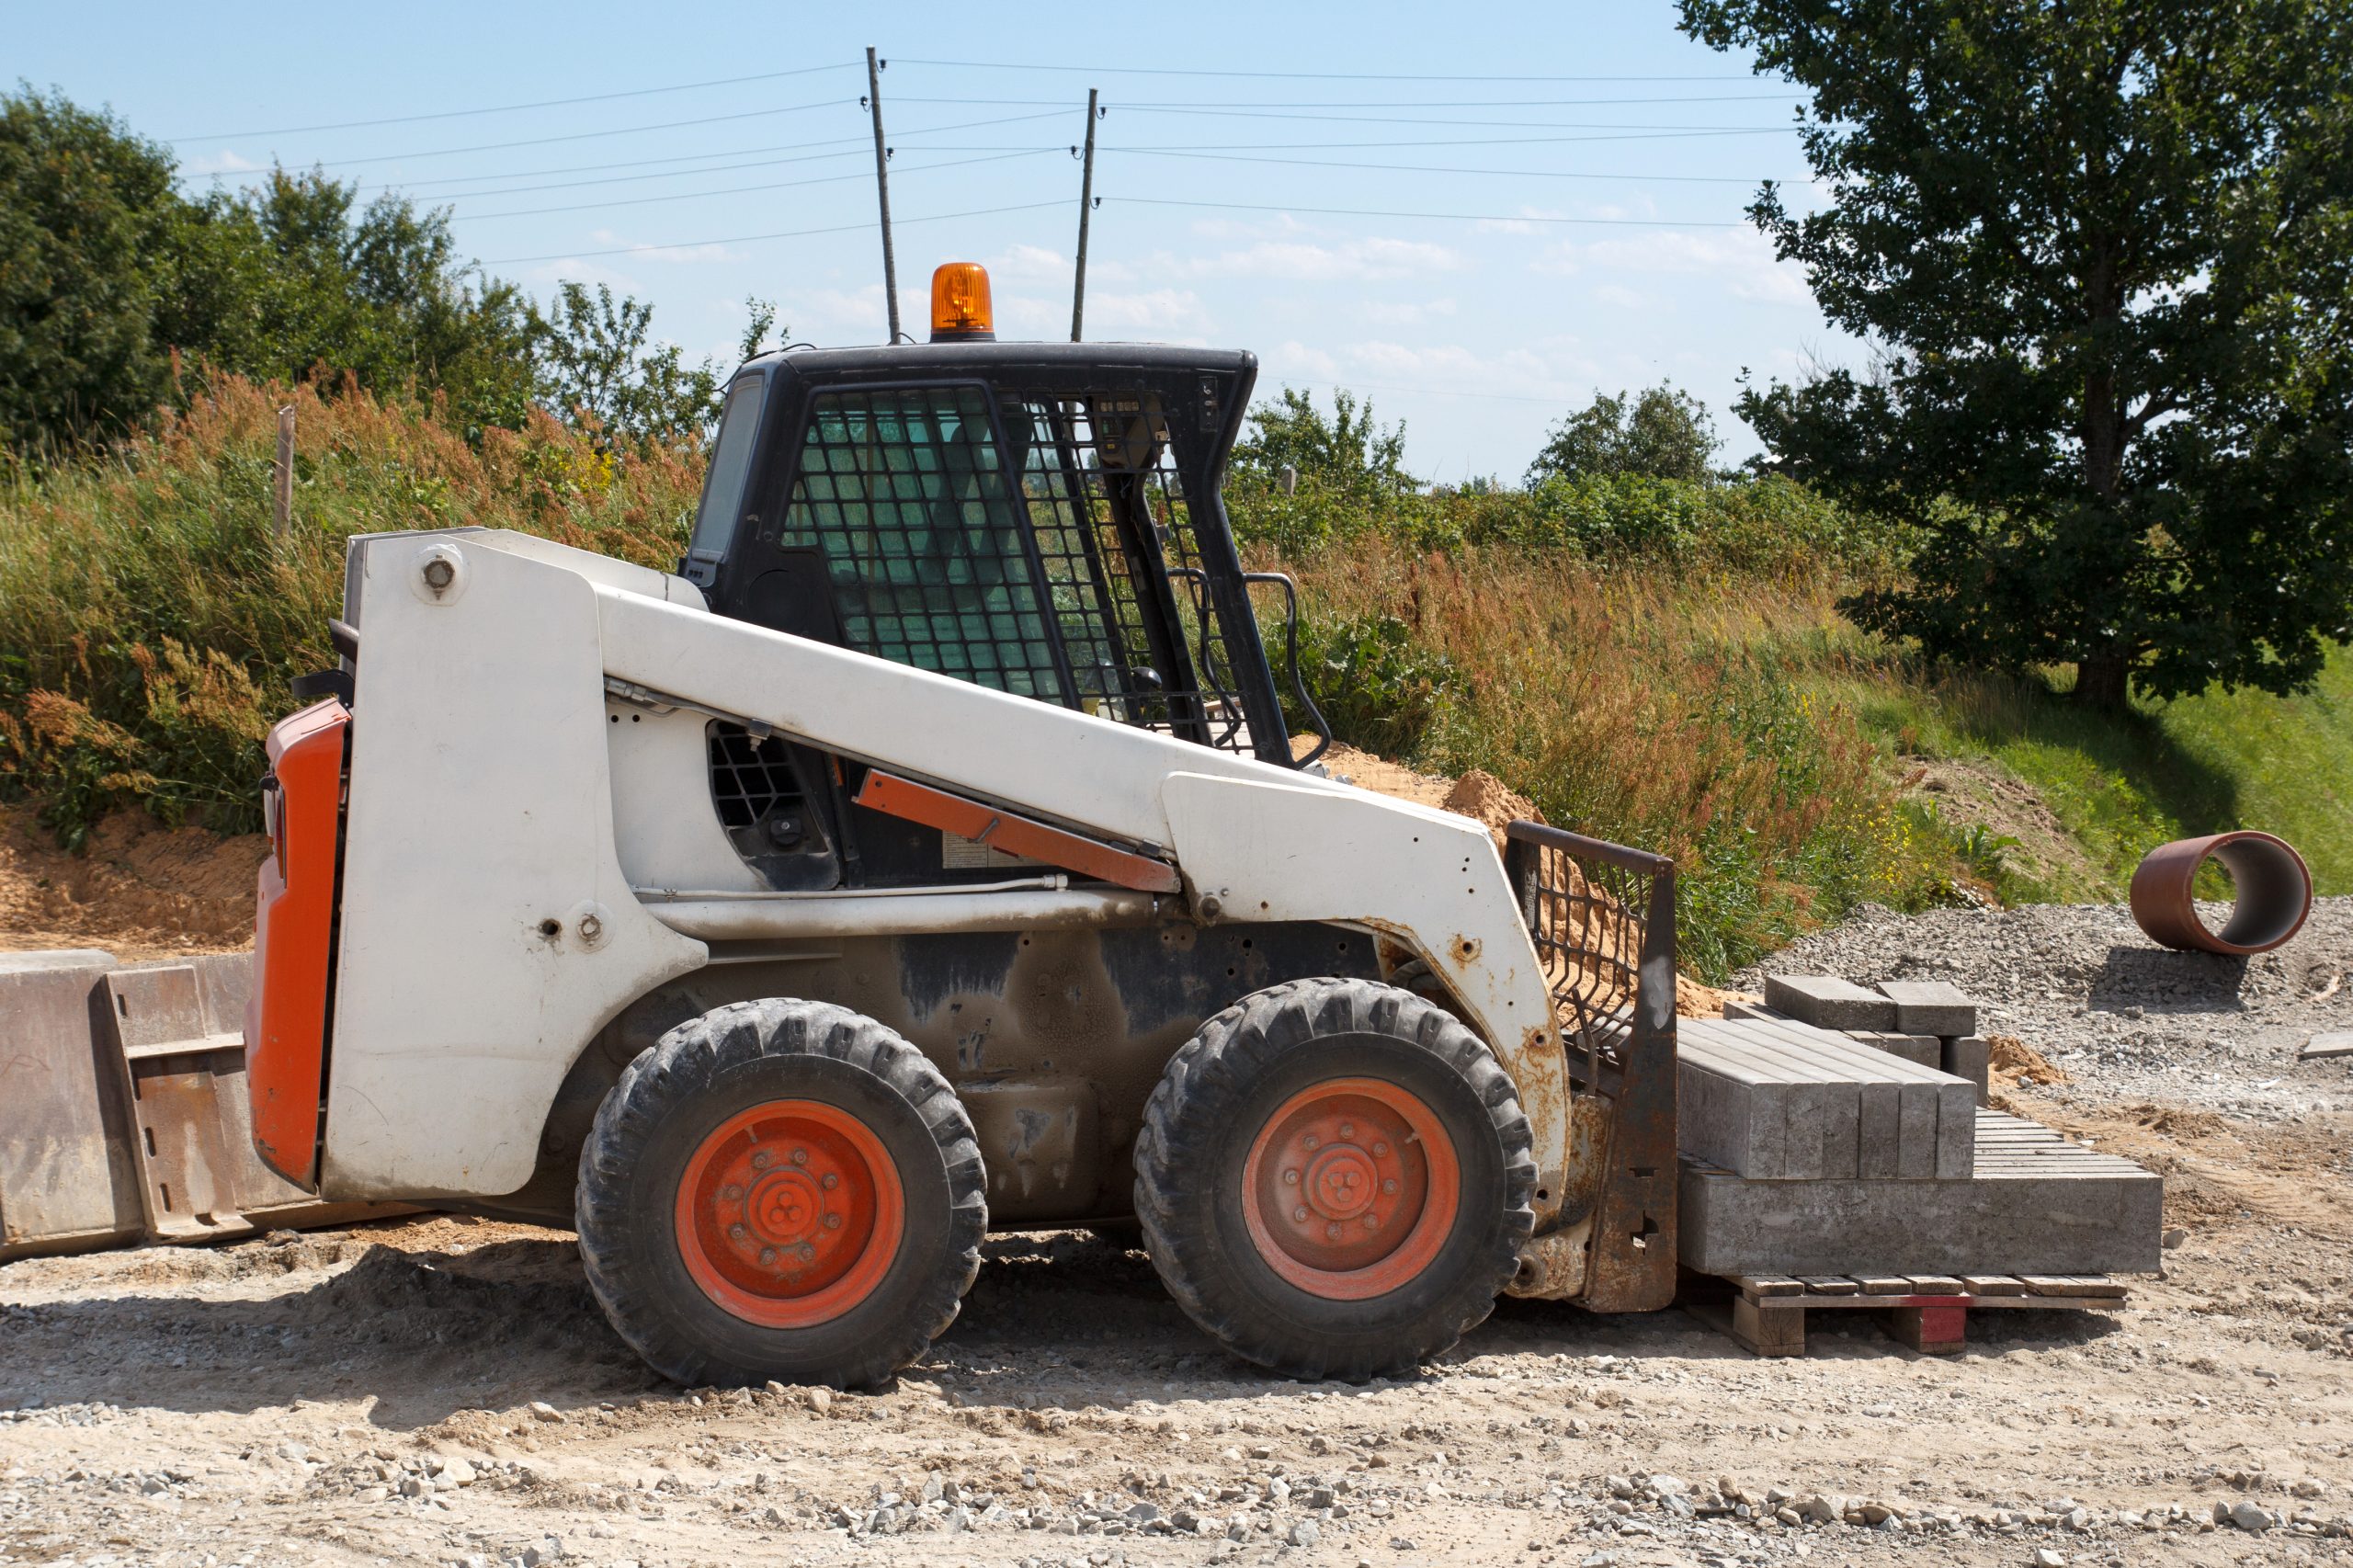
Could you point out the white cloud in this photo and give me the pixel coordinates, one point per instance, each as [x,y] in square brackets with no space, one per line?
[1741,259]
[224,162]
[1030,262]
[1403,312]
[1307,261]
[690,254]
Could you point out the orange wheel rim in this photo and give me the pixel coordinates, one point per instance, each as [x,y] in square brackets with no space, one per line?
[1350,1188]
[790,1213]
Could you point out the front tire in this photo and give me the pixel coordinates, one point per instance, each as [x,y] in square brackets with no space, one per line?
[1334,1179]
[781,1189]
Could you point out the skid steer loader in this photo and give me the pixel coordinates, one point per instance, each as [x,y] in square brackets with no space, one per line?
[928,854]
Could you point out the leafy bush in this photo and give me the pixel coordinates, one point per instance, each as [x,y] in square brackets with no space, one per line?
[150,623]
[1376,686]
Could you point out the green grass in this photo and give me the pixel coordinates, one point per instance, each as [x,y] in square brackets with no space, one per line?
[1649,666]
[2122,783]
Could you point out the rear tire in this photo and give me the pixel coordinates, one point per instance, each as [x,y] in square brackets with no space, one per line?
[1334,1179]
[781,1189]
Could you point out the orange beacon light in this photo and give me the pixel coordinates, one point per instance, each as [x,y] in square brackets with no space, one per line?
[960,310]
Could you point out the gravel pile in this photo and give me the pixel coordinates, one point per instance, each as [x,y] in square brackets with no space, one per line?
[2126,1019]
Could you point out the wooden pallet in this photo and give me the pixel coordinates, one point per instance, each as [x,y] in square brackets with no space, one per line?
[1929,1312]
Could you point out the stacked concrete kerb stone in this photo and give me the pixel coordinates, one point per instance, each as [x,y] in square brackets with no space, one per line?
[1930,1022]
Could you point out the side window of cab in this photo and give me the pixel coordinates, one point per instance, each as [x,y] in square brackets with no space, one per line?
[724,486]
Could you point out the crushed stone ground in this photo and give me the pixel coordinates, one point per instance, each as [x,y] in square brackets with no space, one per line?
[444,1390]
[2125,1018]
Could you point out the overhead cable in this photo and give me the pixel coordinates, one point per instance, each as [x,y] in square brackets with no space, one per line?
[513,108]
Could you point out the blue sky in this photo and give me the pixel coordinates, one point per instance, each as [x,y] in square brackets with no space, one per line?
[1478,321]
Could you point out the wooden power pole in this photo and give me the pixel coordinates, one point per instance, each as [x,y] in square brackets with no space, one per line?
[882,189]
[1085,206]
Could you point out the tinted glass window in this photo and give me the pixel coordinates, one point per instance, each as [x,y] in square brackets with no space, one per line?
[908,498]
[731,464]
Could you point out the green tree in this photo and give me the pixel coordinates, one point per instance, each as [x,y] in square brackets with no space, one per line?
[292,279]
[86,215]
[1345,451]
[2107,251]
[602,370]
[1664,434]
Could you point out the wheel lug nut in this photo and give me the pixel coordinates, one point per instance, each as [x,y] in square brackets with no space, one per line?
[833,1221]
[1298,1214]
[1291,1178]
[736,1231]
[731,1193]
[1372,1222]
[832,1181]
[807,1252]
[760,1161]
[768,1256]
[1381,1149]
[1309,1142]
[1347,1129]
[1332,1232]
[1389,1186]
[801,1156]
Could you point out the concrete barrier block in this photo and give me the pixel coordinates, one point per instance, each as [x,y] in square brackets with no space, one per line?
[2031,1203]
[1969,1057]
[1930,1006]
[1829,1003]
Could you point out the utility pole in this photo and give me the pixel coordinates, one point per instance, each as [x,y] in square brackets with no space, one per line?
[882,188]
[1085,206]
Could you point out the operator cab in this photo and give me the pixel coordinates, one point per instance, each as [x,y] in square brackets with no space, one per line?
[1041,518]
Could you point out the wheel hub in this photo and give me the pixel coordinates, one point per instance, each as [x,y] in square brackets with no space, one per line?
[1350,1187]
[789,1213]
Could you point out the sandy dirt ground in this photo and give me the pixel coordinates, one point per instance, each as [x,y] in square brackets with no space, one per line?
[444,1390]
[139,890]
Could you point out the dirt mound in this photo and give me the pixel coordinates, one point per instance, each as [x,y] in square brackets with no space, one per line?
[2012,1059]
[1588,916]
[139,889]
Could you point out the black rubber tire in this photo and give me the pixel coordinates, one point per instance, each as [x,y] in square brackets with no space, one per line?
[705,1071]
[1210,1103]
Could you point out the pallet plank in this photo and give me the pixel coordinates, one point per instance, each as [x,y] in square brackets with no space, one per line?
[1769,1285]
[1936,1285]
[1828,1285]
[1884,1285]
[1993,1285]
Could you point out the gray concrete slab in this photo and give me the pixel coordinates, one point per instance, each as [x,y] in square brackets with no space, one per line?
[1781,1100]
[1925,1049]
[2320,1048]
[1930,1006]
[2031,1204]
[1970,1057]
[1829,1003]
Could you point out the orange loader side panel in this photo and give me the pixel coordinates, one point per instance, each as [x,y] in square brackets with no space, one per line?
[286,1018]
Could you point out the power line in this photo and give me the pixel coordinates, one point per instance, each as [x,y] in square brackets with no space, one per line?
[1444,169]
[440,181]
[1456,217]
[1294,75]
[510,109]
[781,234]
[742,189]
[1413,119]
[1392,103]
[591,135]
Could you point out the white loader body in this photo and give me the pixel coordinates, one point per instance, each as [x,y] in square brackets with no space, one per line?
[530,844]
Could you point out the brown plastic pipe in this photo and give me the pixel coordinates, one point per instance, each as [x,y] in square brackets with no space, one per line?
[2273,893]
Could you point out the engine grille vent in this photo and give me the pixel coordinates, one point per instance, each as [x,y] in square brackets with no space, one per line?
[748,778]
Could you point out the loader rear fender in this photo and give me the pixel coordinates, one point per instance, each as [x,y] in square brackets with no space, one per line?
[294,927]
